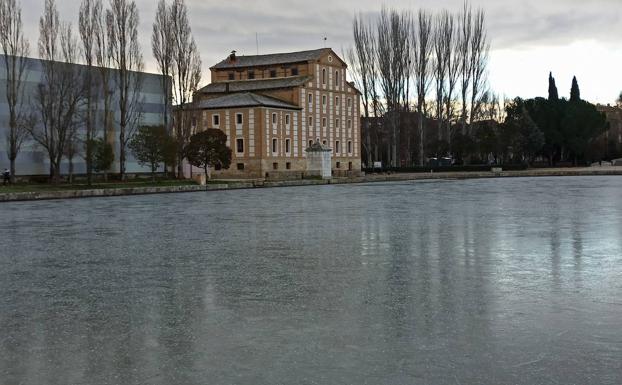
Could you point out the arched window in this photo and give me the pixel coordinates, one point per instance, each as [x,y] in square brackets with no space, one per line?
[337,78]
[323,75]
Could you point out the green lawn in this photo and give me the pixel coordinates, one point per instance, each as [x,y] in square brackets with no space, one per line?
[99,185]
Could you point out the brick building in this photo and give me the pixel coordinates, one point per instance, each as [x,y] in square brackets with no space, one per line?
[611,140]
[272,107]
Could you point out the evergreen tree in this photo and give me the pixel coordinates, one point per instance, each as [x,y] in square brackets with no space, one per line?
[208,149]
[575,94]
[151,146]
[553,95]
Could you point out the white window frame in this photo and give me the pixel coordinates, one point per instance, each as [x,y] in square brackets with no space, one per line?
[275,145]
[288,147]
[236,145]
[214,117]
[241,118]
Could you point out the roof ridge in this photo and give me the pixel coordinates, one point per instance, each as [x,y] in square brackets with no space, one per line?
[286,53]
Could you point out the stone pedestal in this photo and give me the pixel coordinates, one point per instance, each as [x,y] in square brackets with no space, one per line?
[318,160]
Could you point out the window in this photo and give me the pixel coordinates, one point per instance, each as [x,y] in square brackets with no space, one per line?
[238,118]
[240,166]
[336,122]
[287,119]
[349,123]
[349,166]
[349,146]
[287,146]
[310,97]
[324,142]
[324,122]
[323,75]
[338,165]
[231,76]
[337,78]
[310,142]
[310,121]
[274,143]
[275,166]
[349,102]
[295,71]
[239,145]
[215,120]
[272,73]
[324,100]
[274,118]
[337,101]
[337,148]
[251,74]
[288,165]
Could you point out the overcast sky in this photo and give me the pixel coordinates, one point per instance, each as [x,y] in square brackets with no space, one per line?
[529,37]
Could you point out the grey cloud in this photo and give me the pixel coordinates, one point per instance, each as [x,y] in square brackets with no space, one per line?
[284,25]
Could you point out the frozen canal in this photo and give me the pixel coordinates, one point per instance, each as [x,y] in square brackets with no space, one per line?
[505,281]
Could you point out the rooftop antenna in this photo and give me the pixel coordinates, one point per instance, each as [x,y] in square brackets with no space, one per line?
[257,42]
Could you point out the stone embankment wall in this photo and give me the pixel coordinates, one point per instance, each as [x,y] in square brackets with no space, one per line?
[69,194]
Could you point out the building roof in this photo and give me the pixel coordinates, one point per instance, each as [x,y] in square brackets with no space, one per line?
[271,59]
[244,99]
[255,84]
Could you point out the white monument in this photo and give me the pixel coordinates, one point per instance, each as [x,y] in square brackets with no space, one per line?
[318,160]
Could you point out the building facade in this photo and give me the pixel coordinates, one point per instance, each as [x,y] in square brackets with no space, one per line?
[273,107]
[611,140]
[32,159]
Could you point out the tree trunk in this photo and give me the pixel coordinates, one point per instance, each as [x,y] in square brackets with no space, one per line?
[421,139]
[71,170]
[122,152]
[12,177]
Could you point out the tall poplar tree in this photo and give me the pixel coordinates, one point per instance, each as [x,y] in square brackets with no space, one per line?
[15,48]
[575,94]
[553,95]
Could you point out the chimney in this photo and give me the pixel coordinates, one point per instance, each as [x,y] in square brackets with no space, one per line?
[232,57]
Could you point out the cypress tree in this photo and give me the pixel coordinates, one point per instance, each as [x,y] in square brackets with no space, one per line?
[552,88]
[575,94]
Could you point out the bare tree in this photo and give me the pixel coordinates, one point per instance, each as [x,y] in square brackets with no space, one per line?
[422,35]
[464,51]
[60,94]
[89,16]
[187,76]
[453,68]
[103,58]
[122,27]
[15,48]
[479,62]
[393,58]
[442,54]
[163,48]
[363,65]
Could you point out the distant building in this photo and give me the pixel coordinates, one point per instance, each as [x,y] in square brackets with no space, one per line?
[273,107]
[32,160]
[611,140]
